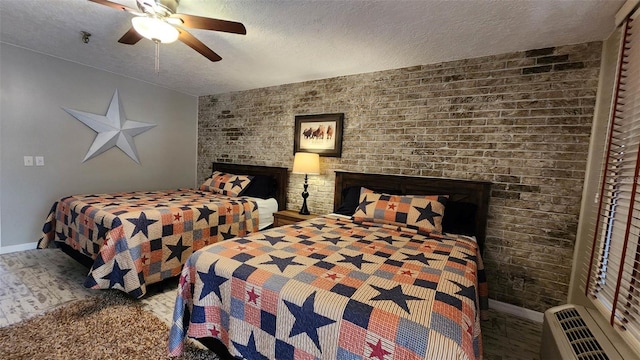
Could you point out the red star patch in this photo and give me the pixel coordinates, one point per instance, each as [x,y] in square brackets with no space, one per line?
[312,249]
[253,296]
[392,206]
[144,259]
[332,276]
[377,350]
[229,210]
[214,332]
[177,217]
[407,272]
[469,325]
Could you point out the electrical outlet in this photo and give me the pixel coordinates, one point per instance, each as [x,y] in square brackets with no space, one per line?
[39,160]
[28,161]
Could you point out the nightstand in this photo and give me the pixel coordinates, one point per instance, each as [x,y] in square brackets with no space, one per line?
[286,217]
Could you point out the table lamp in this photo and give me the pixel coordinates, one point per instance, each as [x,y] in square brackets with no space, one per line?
[306,163]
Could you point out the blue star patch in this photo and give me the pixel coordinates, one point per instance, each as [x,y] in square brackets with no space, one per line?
[205,212]
[356,261]
[141,224]
[116,276]
[249,351]
[211,282]
[176,250]
[307,320]
[396,295]
[427,213]
[282,263]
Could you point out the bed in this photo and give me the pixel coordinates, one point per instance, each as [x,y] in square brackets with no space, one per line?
[377,284]
[135,239]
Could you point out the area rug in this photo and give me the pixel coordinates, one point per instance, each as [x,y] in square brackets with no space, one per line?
[111,326]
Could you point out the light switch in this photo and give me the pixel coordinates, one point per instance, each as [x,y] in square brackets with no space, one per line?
[39,160]
[28,161]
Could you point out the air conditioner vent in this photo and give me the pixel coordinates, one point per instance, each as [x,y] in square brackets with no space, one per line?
[584,344]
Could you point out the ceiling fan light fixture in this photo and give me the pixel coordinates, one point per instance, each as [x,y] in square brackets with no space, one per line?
[155,29]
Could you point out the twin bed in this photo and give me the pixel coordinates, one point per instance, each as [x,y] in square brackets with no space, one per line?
[389,279]
[134,239]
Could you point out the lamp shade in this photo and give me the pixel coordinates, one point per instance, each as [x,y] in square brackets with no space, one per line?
[155,29]
[306,163]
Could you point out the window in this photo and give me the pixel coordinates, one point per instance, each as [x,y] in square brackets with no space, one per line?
[614,273]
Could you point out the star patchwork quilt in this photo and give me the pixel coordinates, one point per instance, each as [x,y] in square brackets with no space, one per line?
[331,288]
[139,238]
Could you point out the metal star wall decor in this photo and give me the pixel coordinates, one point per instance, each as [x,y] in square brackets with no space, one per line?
[113,129]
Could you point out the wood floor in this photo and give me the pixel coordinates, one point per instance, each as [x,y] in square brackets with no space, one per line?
[35,281]
[507,337]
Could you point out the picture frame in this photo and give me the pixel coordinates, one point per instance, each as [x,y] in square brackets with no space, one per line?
[320,134]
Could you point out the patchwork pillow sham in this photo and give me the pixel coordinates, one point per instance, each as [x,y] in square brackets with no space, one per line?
[351,199]
[421,212]
[226,184]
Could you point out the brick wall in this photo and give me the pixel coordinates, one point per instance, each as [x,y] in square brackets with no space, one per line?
[520,120]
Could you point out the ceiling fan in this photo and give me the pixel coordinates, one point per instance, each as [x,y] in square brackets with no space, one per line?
[158,21]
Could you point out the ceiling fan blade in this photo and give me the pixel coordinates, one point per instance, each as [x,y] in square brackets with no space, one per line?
[198,46]
[114,5]
[199,22]
[131,37]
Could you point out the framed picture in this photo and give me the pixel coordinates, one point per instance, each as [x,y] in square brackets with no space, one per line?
[320,134]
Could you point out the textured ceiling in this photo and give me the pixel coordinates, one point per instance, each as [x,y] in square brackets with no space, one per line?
[299,40]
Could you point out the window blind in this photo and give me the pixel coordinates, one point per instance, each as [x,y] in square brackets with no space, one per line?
[613,280]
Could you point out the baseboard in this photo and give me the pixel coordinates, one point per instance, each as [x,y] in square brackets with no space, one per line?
[20,247]
[516,311]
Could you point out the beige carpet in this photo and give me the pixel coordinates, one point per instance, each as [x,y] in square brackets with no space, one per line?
[111,326]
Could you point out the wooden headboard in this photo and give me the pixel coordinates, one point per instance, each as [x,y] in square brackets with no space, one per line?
[463,191]
[280,174]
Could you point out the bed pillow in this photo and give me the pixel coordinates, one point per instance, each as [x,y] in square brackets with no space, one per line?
[421,212]
[261,186]
[350,201]
[460,218]
[226,184]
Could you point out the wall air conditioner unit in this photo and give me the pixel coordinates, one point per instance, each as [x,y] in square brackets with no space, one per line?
[571,332]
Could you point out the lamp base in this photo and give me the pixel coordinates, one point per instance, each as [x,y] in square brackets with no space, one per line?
[304,210]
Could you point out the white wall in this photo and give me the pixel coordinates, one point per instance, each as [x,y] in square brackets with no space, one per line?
[34,88]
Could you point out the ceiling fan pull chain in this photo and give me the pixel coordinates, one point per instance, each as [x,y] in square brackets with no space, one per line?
[157,69]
